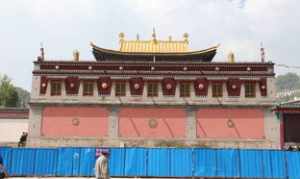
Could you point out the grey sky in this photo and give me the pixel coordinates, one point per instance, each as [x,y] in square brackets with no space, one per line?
[65,25]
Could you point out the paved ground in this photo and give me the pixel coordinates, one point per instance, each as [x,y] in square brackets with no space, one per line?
[72,178]
[63,178]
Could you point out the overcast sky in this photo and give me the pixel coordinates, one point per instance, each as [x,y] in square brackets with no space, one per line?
[64,25]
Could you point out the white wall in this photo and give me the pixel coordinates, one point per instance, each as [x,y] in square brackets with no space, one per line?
[11,129]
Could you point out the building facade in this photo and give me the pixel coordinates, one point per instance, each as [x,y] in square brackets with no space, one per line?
[153,93]
[289,115]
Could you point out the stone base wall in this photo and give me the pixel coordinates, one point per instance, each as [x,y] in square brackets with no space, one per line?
[205,143]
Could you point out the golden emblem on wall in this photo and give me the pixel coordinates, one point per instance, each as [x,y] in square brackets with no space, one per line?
[230,123]
[152,123]
[75,122]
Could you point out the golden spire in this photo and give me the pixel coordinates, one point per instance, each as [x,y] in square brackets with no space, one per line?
[186,37]
[170,38]
[121,36]
[137,37]
[231,57]
[154,35]
[76,55]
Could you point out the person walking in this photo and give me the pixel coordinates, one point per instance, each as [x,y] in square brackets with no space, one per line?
[101,166]
[3,172]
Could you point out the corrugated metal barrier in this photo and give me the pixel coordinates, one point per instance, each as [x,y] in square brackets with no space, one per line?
[154,162]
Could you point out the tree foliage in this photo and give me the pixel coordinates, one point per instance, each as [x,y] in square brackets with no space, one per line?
[289,81]
[11,96]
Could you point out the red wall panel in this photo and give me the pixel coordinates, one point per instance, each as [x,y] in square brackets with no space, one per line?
[152,122]
[74,122]
[230,123]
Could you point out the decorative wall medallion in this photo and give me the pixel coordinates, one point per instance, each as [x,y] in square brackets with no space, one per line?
[184,68]
[263,87]
[120,68]
[200,86]
[104,85]
[90,67]
[152,68]
[56,67]
[152,123]
[233,86]
[168,86]
[43,85]
[217,68]
[72,85]
[248,68]
[75,122]
[136,86]
[230,123]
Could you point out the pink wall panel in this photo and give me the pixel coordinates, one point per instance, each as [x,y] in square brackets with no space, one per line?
[230,123]
[61,122]
[152,122]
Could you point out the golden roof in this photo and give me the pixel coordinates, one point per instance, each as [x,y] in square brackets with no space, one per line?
[154,45]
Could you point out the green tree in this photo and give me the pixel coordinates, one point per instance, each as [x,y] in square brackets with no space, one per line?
[289,81]
[8,94]
[24,97]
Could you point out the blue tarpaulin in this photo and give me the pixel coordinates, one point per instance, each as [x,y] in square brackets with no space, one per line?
[181,162]
[154,162]
[158,162]
[22,162]
[117,161]
[293,164]
[46,162]
[87,161]
[251,162]
[205,162]
[278,164]
[228,163]
[5,152]
[68,162]
[135,162]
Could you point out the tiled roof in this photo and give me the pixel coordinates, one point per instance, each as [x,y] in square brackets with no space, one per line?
[14,113]
[290,104]
[153,46]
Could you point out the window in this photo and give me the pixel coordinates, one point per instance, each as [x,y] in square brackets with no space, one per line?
[250,89]
[185,89]
[55,88]
[152,89]
[120,89]
[88,88]
[217,90]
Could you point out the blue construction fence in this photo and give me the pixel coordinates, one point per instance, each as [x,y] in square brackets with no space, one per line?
[154,162]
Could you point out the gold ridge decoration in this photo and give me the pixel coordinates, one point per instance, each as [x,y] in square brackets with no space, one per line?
[154,45]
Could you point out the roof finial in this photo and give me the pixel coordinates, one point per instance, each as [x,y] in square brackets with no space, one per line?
[231,58]
[76,55]
[186,37]
[137,36]
[262,52]
[121,36]
[170,38]
[154,34]
[42,55]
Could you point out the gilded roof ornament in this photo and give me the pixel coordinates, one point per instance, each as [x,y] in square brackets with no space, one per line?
[137,37]
[121,36]
[230,57]
[186,37]
[154,35]
[170,38]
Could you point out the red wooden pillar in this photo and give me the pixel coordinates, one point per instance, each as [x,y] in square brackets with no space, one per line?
[281,129]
